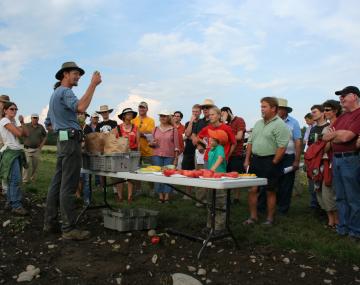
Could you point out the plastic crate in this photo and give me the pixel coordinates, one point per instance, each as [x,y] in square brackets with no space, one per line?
[126,220]
[120,162]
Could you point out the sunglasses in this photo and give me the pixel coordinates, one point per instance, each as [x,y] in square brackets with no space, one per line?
[13,109]
[163,116]
[206,107]
[328,109]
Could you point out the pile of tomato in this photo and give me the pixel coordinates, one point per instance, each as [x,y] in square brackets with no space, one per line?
[205,173]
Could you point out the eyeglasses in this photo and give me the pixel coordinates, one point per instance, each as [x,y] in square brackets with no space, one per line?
[13,109]
[327,109]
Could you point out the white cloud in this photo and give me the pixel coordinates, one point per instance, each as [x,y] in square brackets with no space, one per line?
[36,30]
[132,101]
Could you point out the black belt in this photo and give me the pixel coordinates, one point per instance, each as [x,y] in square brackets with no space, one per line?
[26,146]
[73,134]
[346,154]
[263,156]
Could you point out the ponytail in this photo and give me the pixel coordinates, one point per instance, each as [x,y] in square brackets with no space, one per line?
[57,84]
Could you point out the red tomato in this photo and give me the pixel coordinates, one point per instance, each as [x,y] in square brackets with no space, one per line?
[208,173]
[217,175]
[233,174]
[155,239]
[169,172]
[197,173]
[189,173]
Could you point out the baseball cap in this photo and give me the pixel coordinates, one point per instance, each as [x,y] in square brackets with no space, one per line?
[34,115]
[143,104]
[347,90]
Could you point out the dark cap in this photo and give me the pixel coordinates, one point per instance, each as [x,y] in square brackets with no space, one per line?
[349,89]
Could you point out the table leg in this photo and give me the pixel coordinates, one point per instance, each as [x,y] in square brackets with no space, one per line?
[212,225]
[89,207]
[227,217]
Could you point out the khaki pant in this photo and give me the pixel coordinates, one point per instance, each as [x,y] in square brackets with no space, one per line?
[32,158]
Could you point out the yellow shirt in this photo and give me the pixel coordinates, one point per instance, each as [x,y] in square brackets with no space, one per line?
[144,125]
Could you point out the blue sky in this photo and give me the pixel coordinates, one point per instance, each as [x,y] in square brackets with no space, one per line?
[174,54]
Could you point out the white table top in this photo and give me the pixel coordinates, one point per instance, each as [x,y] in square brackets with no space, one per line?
[184,181]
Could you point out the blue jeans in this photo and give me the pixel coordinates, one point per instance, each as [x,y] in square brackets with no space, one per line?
[314,204]
[162,161]
[86,187]
[346,179]
[14,194]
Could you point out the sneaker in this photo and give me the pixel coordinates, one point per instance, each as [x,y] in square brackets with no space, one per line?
[199,205]
[19,211]
[76,234]
[268,223]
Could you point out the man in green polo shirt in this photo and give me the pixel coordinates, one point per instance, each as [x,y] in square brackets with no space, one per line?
[32,147]
[266,147]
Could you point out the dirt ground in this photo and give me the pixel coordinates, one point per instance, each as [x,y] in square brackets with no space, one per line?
[110,257]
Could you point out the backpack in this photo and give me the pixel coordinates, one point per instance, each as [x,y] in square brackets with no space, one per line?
[314,161]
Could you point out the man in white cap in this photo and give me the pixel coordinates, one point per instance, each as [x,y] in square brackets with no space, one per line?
[32,147]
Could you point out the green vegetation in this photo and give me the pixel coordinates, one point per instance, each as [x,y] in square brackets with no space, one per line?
[301,230]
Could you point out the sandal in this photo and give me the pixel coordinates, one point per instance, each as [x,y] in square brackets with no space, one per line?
[249,221]
[331,227]
[268,223]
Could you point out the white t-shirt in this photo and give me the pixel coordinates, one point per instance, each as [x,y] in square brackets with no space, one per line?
[199,157]
[9,140]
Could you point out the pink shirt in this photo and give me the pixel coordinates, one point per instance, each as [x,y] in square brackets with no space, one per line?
[168,142]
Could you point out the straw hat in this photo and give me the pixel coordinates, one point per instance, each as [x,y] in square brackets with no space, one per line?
[208,103]
[283,103]
[103,109]
[219,135]
[67,66]
[165,113]
[4,98]
[126,111]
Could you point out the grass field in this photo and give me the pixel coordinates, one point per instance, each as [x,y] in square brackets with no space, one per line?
[301,230]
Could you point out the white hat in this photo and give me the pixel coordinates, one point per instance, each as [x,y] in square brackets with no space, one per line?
[283,103]
[165,113]
[95,115]
[104,108]
[34,115]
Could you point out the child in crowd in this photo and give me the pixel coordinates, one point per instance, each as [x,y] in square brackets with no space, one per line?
[199,155]
[217,161]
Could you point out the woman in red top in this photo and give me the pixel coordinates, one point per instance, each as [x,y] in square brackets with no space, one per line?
[130,131]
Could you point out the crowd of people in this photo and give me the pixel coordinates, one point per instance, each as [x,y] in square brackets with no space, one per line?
[213,139]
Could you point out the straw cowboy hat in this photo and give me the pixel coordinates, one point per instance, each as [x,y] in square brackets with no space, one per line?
[67,66]
[126,111]
[4,98]
[165,113]
[219,135]
[283,103]
[103,109]
[208,103]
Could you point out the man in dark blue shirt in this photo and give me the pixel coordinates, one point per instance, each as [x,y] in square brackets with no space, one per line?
[62,118]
